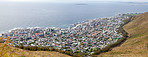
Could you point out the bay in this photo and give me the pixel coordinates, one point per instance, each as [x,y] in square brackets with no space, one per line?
[61,15]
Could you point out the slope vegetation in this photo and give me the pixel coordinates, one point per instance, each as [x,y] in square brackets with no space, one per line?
[137,43]
[8,51]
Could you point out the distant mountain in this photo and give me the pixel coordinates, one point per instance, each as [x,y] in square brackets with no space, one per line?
[137,43]
[145,3]
[81,4]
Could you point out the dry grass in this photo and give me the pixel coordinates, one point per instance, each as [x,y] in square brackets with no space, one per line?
[27,53]
[16,52]
[8,51]
[137,44]
[5,48]
[136,47]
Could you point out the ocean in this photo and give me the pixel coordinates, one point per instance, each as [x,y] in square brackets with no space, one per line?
[60,15]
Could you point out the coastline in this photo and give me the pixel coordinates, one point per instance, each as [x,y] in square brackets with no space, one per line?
[64,26]
[99,52]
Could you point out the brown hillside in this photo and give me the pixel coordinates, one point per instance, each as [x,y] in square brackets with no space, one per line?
[16,52]
[137,43]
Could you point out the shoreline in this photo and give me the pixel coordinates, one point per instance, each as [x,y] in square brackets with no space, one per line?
[65,26]
[110,45]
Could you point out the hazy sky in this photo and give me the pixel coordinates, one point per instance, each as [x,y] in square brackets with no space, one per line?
[72,0]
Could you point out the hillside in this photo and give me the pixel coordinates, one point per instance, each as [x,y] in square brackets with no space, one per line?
[137,43]
[16,52]
[135,46]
